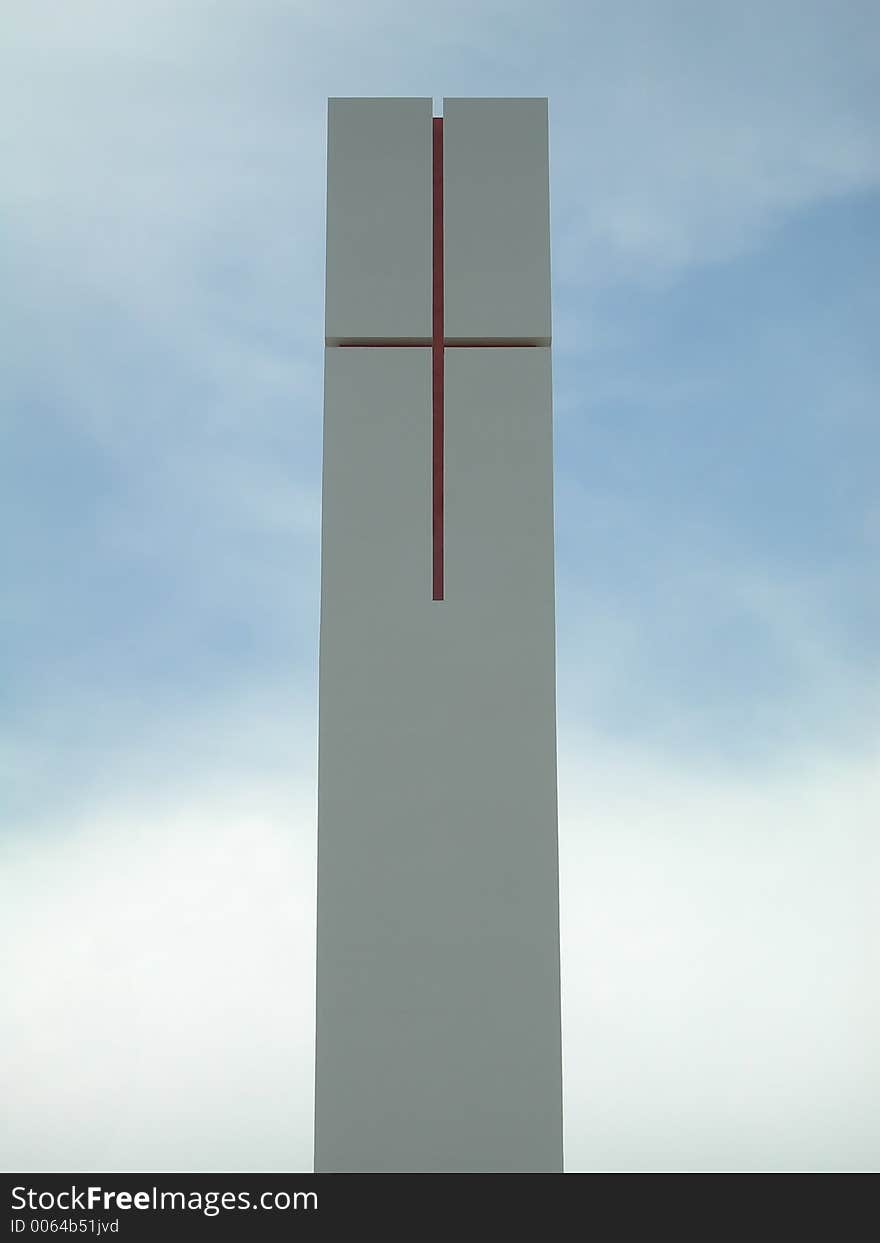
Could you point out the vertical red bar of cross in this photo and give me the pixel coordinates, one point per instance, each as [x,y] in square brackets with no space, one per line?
[437,367]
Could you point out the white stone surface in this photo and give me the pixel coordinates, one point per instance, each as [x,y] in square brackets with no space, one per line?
[496,219]
[378,218]
[438,955]
[438,998]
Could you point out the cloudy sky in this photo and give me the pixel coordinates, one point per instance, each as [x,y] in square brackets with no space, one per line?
[715,194]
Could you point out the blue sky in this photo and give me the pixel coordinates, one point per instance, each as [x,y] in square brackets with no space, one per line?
[715,193]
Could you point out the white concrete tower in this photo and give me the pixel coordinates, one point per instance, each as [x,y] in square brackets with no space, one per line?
[438,1002]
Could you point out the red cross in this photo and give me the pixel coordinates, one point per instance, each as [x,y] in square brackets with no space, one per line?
[437,344]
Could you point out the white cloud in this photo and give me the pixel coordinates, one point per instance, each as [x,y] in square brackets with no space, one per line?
[719,960]
[720,957]
[159,985]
